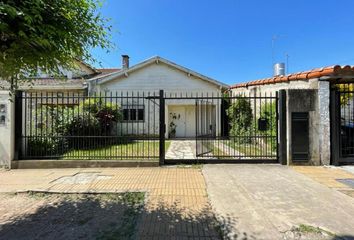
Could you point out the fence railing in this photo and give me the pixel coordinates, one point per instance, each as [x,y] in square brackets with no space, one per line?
[102,126]
[143,125]
[246,128]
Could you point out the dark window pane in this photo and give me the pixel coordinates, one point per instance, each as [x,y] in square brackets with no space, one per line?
[141,114]
[125,114]
[132,114]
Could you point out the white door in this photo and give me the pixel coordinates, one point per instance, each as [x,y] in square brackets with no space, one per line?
[190,121]
[177,116]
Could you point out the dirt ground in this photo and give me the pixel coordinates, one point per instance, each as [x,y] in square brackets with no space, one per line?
[69,216]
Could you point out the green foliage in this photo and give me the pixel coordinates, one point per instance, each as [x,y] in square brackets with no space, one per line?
[348,96]
[69,124]
[241,119]
[106,113]
[46,35]
[45,146]
[268,111]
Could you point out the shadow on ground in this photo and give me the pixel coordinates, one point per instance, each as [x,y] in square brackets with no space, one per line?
[110,216]
[125,216]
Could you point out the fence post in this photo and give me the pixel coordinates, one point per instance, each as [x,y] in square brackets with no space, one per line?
[335,126]
[162,129]
[18,125]
[282,150]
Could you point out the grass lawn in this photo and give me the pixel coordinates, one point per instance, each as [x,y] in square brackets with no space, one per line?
[250,149]
[136,150]
[229,149]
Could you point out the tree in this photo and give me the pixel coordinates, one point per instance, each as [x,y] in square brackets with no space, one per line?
[47,35]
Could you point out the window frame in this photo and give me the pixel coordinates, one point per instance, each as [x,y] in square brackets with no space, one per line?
[135,107]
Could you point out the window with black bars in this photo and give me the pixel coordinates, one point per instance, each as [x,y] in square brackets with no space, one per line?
[133,113]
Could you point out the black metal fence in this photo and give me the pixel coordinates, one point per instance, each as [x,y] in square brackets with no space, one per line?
[165,127]
[346,101]
[252,121]
[102,126]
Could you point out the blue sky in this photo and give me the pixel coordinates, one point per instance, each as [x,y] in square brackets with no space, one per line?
[231,40]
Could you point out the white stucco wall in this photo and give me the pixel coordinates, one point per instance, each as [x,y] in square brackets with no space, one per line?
[272,88]
[7,131]
[158,76]
[148,81]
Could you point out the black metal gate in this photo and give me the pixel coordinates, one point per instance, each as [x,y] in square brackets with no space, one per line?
[342,101]
[205,127]
[253,128]
[228,128]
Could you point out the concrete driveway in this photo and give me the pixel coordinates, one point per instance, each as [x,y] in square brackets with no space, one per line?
[266,201]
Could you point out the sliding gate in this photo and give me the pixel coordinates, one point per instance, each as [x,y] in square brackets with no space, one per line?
[229,128]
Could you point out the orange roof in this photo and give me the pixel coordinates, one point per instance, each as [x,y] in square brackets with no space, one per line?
[332,71]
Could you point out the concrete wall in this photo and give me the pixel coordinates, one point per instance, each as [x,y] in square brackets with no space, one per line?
[304,100]
[7,131]
[324,122]
[304,96]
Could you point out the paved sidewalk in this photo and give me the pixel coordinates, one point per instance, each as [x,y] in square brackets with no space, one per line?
[177,202]
[268,200]
[329,176]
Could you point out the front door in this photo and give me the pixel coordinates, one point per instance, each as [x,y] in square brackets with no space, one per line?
[177,122]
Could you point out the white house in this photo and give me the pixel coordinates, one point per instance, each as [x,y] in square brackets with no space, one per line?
[147,78]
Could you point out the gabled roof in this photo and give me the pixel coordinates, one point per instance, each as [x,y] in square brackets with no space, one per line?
[156,59]
[332,72]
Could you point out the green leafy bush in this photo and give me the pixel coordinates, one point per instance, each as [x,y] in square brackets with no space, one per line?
[241,120]
[76,127]
[46,146]
[268,111]
[107,113]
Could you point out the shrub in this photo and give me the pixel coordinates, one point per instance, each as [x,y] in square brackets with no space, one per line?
[107,113]
[241,120]
[268,111]
[46,146]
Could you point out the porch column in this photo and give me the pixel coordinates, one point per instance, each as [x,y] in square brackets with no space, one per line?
[217,116]
[324,124]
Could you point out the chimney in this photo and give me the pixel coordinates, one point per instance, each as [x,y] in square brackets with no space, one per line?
[279,69]
[125,61]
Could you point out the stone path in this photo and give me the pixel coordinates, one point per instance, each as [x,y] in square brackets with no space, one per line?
[269,200]
[181,149]
[177,203]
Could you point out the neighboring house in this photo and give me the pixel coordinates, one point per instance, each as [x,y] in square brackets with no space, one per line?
[152,75]
[70,81]
[312,113]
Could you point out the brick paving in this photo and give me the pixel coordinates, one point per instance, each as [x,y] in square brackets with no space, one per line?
[177,202]
[328,176]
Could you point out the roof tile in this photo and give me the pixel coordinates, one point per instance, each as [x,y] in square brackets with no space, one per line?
[330,71]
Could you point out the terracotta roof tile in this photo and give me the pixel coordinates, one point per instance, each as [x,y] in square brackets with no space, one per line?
[331,71]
